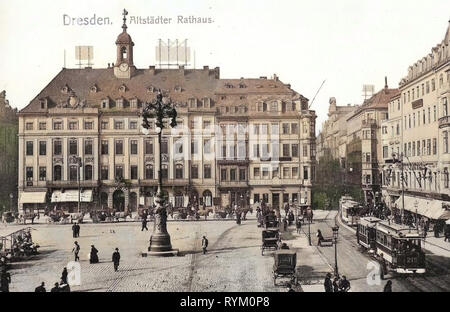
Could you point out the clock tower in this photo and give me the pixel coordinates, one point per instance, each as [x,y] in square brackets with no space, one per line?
[124,67]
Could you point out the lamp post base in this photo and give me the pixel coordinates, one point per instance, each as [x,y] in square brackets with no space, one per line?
[160,242]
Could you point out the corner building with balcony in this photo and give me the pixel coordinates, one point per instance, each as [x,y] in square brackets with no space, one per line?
[95,114]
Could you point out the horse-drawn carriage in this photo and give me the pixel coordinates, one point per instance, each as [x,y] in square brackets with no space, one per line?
[17,245]
[57,216]
[101,215]
[8,217]
[285,262]
[224,212]
[270,239]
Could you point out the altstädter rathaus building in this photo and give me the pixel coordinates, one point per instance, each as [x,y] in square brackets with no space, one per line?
[238,141]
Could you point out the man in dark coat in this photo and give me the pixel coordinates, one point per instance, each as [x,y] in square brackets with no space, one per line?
[336,284]
[5,280]
[388,286]
[144,222]
[328,284]
[40,288]
[78,229]
[56,288]
[204,244]
[74,230]
[344,285]
[64,276]
[93,255]
[116,259]
[76,251]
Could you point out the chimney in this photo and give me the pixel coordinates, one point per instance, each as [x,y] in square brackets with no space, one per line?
[205,67]
[275,77]
[385,82]
[152,69]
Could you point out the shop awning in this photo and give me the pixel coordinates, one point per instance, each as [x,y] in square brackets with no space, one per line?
[71,196]
[32,197]
[430,208]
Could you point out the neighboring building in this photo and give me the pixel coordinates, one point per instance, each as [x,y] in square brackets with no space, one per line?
[8,154]
[422,114]
[96,114]
[364,137]
[333,136]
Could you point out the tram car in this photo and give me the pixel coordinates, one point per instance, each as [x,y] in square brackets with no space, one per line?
[366,233]
[400,246]
[349,210]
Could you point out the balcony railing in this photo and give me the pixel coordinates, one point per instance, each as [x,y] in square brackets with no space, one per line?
[74,183]
[444,122]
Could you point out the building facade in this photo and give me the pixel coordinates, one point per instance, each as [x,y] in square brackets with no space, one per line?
[419,127]
[237,141]
[8,154]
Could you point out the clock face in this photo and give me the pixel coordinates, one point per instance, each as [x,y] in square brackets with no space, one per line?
[123,67]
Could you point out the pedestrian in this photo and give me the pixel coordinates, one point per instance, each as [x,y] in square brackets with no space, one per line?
[64,276]
[238,217]
[344,285]
[285,225]
[5,280]
[116,259]
[76,250]
[388,286]
[204,244]
[319,237]
[327,284]
[56,288]
[78,229]
[336,284]
[93,255]
[40,288]
[144,222]
[74,230]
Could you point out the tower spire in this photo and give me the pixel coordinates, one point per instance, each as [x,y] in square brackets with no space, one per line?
[124,26]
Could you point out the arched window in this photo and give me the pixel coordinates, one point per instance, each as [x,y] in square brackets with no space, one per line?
[207,198]
[88,172]
[57,173]
[123,50]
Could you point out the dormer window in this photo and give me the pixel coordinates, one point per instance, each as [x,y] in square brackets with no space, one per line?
[119,103]
[134,103]
[242,85]
[177,89]
[94,89]
[43,103]
[206,102]
[123,88]
[105,103]
[242,97]
[228,86]
[192,102]
[151,89]
[65,89]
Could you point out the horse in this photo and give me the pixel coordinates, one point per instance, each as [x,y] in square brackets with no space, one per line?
[121,215]
[77,216]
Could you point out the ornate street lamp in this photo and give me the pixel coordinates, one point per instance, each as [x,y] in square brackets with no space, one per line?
[74,159]
[335,238]
[159,109]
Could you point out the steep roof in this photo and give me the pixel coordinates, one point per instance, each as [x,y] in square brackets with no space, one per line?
[94,85]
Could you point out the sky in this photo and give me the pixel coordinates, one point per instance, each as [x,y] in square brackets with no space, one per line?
[348,43]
